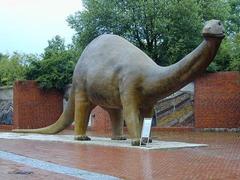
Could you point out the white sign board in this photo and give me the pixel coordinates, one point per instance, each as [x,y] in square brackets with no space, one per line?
[146,129]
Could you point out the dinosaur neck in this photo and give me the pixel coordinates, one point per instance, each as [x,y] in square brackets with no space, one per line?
[169,79]
[195,62]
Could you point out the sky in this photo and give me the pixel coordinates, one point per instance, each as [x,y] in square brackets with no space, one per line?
[27,25]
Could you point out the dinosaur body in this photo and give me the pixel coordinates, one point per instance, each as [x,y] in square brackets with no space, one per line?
[119,77]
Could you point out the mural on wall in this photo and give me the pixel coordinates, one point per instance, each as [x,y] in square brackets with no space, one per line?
[177,109]
[6,112]
[6,105]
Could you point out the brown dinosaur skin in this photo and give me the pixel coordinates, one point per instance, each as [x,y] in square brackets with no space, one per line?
[119,77]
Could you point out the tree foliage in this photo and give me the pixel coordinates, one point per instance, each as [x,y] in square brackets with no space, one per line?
[165,29]
[233,20]
[53,69]
[56,68]
[228,58]
[235,55]
[12,68]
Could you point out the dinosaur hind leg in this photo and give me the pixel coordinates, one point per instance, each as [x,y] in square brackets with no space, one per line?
[117,124]
[81,116]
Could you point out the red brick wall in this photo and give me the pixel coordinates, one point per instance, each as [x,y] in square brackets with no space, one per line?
[33,107]
[100,120]
[217,100]
[6,127]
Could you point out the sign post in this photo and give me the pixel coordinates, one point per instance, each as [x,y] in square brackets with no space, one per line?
[146,129]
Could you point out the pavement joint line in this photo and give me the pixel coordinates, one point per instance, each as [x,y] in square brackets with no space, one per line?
[52,167]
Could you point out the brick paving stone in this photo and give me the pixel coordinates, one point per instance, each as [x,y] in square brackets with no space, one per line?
[12,171]
[220,160]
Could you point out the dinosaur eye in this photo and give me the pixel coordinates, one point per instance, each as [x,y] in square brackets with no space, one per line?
[219,23]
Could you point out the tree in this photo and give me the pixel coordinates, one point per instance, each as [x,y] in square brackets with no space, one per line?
[165,29]
[228,58]
[223,58]
[233,23]
[214,9]
[55,46]
[235,53]
[12,68]
[55,69]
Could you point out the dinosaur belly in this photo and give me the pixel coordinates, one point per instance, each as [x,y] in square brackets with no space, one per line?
[104,98]
[105,101]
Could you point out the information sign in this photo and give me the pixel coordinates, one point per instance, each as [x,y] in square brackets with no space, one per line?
[146,129]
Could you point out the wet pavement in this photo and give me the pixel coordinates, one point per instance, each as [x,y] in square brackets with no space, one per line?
[220,160]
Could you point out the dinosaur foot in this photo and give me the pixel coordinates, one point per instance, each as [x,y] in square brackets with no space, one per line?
[119,138]
[136,142]
[82,138]
[144,140]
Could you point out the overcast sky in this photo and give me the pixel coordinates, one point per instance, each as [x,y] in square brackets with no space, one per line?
[27,25]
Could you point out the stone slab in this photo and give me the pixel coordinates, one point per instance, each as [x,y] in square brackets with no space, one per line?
[100,141]
[56,168]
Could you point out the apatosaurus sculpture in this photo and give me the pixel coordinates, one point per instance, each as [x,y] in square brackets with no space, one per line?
[119,77]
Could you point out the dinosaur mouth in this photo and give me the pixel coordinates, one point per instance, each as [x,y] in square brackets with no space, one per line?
[220,35]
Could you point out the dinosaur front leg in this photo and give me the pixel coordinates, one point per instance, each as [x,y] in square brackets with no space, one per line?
[117,124]
[81,116]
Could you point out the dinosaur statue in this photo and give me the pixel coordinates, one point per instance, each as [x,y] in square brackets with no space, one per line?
[119,77]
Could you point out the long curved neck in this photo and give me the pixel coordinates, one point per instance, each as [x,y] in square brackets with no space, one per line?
[167,80]
[195,62]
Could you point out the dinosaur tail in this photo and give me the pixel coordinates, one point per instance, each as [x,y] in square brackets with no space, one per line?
[64,120]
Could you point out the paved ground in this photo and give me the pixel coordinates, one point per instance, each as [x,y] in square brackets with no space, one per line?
[220,160]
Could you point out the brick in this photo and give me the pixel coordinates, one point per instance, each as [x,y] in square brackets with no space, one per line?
[34,107]
[100,120]
[217,100]
[220,160]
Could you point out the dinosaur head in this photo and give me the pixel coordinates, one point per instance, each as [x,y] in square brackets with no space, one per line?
[213,28]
